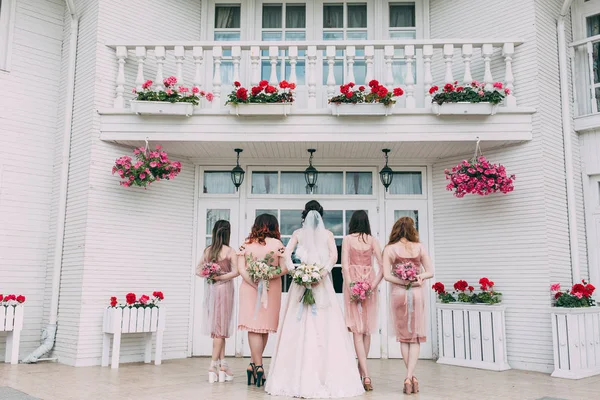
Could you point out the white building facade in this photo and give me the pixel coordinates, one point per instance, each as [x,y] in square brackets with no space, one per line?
[71,237]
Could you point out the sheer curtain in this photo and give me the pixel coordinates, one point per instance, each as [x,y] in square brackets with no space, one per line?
[218,182]
[402,16]
[333,16]
[295,17]
[359,183]
[357,16]
[406,183]
[271,16]
[227,17]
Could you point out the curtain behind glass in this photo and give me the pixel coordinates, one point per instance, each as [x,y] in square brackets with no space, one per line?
[414,214]
[357,15]
[333,16]
[295,16]
[271,16]
[218,182]
[402,16]
[359,183]
[227,17]
[406,183]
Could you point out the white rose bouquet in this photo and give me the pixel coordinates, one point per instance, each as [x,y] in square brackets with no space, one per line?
[307,275]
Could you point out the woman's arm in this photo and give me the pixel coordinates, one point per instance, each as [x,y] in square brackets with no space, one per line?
[282,262]
[234,273]
[332,255]
[201,263]
[387,268]
[241,264]
[346,261]
[289,250]
[379,259]
[427,265]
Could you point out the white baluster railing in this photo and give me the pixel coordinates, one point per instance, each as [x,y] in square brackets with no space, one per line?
[375,59]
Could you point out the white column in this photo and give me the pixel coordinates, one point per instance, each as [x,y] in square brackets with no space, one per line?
[427,77]
[120,81]
[159,53]
[198,54]
[236,56]
[179,58]
[217,57]
[273,56]
[140,54]
[487,50]
[350,57]
[369,55]
[388,55]
[293,57]
[448,54]
[467,53]
[409,57]
[507,51]
[255,65]
[311,55]
[330,54]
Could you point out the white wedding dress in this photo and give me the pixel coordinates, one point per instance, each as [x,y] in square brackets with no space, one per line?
[314,357]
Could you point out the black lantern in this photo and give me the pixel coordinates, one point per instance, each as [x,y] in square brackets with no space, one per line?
[386,174]
[237,173]
[311,174]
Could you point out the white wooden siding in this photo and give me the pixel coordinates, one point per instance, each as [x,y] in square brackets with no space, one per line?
[28,121]
[590,152]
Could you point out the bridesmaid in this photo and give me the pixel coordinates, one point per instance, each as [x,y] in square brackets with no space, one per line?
[358,250]
[408,304]
[218,300]
[263,240]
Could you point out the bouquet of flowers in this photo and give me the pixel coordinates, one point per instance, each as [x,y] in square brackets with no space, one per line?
[150,166]
[580,295]
[377,94]
[406,271]
[360,291]
[132,301]
[209,271]
[479,176]
[11,300]
[263,93]
[307,275]
[171,93]
[262,271]
[473,93]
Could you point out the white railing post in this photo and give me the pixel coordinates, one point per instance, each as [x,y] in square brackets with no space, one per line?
[140,54]
[388,56]
[427,77]
[254,65]
[236,56]
[159,53]
[217,57]
[273,56]
[590,53]
[350,57]
[198,54]
[467,53]
[330,54]
[311,55]
[120,81]
[487,50]
[369,55]
[448,55]
[409,55]
[293,57]
[179,58]
[507,51]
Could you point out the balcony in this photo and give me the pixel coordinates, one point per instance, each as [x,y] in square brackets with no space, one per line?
[318,68]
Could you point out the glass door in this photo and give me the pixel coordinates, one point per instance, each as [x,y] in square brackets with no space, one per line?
[209,212]
[417,210]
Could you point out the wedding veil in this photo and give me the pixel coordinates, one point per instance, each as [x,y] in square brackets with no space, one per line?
[315,241]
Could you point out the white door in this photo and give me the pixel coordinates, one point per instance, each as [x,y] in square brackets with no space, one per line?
[417,210]
[210,211]
[336,217]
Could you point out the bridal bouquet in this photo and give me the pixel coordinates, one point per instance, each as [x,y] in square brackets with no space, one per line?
[262,271]
[406,271]
[307,275]
[209,271]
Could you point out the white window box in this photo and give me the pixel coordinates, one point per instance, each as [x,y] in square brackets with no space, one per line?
[161,108]
[576,339]
[464,108]
[472,335]
[261,109]
[118,321]
[361,109]
[11,321]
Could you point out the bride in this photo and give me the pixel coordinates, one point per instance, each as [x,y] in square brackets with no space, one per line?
[313,357]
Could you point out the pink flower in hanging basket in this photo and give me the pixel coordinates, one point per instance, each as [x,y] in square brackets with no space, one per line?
[149,167]
[478,176]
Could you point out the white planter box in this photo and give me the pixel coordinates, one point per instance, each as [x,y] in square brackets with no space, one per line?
[280,109]
[118,321]
[576,339]
[161,108]
[361,109]
[11,321]
[472,335]
[464,109]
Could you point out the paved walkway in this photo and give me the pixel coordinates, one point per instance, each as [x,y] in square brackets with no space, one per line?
[186,379]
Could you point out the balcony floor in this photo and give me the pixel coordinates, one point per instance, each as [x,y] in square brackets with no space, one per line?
[186,379]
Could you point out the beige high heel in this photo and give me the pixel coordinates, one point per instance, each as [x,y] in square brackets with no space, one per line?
[368,386]
[408,386]
[415,384]
[212,372]
[224,372]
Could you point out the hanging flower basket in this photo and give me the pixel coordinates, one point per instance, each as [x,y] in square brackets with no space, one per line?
[151,166]
[472,99]
[478,176]
[263,99]
[378,100]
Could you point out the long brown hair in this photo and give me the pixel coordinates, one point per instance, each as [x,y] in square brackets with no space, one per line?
[265,226]
[220,237]
[359,223]
[404,228]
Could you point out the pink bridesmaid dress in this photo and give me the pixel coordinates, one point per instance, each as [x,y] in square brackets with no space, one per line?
[218,305]
[358,266]
[265,320]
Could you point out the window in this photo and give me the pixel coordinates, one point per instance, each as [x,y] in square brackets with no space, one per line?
[407,183]
[345,21]
[218,182]
[402,25]
[227,28]
[284,22]
[212,216]
[593,29]
[7,14]
[359,183]
[328,183]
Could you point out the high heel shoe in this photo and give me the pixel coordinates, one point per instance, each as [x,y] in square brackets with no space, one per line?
[408,386]
[212,372]
[260,373]
[251,373]
[415,384]
[368,386]
[224,372]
